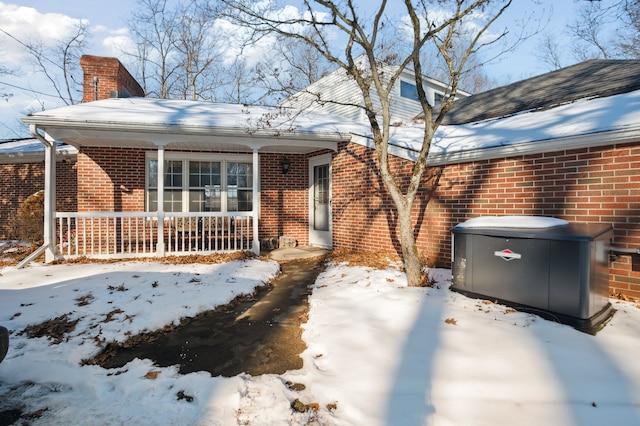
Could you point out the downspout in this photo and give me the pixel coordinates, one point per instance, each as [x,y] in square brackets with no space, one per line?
[49,246]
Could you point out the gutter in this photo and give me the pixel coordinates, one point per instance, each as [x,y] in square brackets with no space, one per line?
[186,129]
[603,138]
[34,157]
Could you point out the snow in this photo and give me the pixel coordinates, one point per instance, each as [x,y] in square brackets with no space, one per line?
[512,222]
[241,119]
[30,146]
[582,117]
[378,353]
[587,120]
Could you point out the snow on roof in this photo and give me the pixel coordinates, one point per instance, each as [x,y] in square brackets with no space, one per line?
[147,112]
[580,118]
[585,116]
[29,150]
[534,130]
[29,146]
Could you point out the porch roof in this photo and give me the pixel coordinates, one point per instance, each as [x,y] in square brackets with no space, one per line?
[151,123]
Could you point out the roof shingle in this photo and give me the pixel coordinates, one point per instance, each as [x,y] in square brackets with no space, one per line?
[594,78]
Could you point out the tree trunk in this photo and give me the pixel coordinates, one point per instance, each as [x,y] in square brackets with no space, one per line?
[410,252]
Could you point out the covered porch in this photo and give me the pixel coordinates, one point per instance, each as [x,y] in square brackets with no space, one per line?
[220,212]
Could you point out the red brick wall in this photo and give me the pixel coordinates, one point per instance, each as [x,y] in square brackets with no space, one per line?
[111,179]
[284,208]
[584,185]
[112,75]
[364,214]
[22,180]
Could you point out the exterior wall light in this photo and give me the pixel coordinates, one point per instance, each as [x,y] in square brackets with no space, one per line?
[286,164]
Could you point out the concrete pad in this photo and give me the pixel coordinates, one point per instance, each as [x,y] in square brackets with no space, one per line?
[292,253]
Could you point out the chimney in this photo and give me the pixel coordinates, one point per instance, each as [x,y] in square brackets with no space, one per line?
[107,78]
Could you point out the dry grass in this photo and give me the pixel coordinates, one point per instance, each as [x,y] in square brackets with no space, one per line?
[371,259]
[622,296]
[214,258]
[13,253]
[55,329]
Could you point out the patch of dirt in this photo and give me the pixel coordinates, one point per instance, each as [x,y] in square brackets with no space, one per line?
[217,318]
[255,334]
[10,416]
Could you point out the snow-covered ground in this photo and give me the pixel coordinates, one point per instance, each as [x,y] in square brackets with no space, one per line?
[379,353]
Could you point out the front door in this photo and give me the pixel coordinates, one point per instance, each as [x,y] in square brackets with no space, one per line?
[320,201]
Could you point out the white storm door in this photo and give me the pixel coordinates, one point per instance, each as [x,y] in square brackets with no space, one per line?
[320,201]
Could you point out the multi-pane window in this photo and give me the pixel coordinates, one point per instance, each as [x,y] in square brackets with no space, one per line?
[172,186]
[239,181]
[197,186]
[205,186]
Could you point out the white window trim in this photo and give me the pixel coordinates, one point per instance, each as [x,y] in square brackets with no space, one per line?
[185,157]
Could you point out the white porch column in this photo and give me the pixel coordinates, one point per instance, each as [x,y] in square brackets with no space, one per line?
[256,200]
[160,247]
[50,201]
[49,237]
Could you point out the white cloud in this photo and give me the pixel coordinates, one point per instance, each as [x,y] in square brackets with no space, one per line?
[117,43]
[28,26]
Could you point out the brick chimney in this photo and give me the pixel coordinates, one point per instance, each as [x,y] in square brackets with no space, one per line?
[107,78]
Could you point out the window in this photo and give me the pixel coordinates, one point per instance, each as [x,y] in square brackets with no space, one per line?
[439,98]
[409,91]
[201,184]
[205,186]
[239,181]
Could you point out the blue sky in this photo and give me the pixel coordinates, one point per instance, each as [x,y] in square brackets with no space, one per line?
[108,19]
[113,14]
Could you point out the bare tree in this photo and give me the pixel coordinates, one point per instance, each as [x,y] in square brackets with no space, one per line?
[61,63]
[472,79]
[550,53]
[199,51]
[628,43]
[292,66]
[357,55]
[587,31]
[592,35]
[153,26]
[236,86]
[5,95]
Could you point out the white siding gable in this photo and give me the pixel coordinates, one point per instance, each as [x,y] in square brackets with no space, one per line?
[338,93]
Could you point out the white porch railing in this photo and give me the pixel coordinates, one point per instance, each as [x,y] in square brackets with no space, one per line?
[139,234]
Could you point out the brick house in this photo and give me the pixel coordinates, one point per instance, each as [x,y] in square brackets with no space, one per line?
[564,144]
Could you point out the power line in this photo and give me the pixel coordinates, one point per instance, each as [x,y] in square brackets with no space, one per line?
[31,49]
[35,91]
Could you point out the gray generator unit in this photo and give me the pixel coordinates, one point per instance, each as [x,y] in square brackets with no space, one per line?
[553,268]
